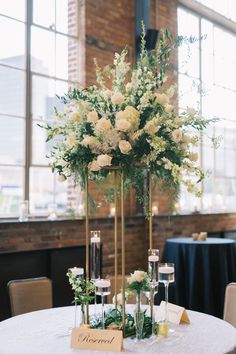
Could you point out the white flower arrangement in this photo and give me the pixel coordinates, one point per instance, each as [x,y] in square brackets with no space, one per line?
[128,125]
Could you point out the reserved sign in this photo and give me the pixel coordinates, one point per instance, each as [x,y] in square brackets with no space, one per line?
[97,339]
[176,314]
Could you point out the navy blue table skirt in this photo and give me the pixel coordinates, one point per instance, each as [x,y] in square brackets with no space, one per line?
[203,269]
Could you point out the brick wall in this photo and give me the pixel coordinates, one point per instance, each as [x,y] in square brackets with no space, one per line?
[15,236]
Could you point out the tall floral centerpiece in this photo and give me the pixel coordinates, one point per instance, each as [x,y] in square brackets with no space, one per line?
[127,121]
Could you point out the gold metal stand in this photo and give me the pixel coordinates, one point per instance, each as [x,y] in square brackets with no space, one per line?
[87,240]
[122,248]
[150,208]
[115,234]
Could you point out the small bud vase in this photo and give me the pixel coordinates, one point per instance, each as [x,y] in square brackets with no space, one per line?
[138,317]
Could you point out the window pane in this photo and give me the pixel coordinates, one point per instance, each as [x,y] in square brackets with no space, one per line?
[44,13]
[13,8]
[39,146]
[43,56]
[188,92]
[66,58]
[12,92]
[207,32]
[230,163]
[12,140]
[64,11]
[11,190]
[10,54]
[41,189]
[62,196]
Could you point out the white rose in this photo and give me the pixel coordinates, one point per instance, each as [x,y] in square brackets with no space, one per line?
[107,93]
[75,116]
[71,139]
[94,166]
[162,98]
[104,160]
[103,124]
[138,276]
[90,141]
[191,111]
[186,139]
[120,115]
[177,135]
[61,178]
[193,156]
[151,128]
[168,108]
[117,98]
[125,146]
[92,117]
[123,125]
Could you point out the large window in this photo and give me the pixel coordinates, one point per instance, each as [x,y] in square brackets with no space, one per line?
[38,59]
[207,81]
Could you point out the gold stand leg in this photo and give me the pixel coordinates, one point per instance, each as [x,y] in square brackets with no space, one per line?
[87,240]
[123,250]
[115,233]
[150,209]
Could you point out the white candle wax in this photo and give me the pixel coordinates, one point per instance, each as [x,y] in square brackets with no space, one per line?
[166,270]
[95,239]
[77,271]
[102,283]
[153,258]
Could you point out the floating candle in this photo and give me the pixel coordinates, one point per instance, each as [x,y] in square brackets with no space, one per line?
[166,270]
[153,259]
[102,283]
[77,271]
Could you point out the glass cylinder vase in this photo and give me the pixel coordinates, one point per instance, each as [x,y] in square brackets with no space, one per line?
[139,317]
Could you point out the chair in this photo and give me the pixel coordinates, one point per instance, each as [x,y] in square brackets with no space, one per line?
[28,295]
[230,304]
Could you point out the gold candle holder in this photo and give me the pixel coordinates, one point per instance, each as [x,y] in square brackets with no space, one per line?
[115,234]
[122,249]
[87,240]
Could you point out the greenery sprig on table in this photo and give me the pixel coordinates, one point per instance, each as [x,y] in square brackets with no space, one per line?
[127,121]
[83,289]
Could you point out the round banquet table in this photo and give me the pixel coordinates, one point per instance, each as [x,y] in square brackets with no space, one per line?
[48,332]
[202,271]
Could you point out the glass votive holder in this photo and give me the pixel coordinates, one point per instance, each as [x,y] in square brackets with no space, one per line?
[24,211]
[78,272]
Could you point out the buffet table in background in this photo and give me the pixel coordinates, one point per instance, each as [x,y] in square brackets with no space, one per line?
[202,271]
[48,331]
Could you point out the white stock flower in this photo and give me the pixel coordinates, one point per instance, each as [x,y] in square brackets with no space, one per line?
[123,125]
[89,141]
[94,166]
[117,98]
[162,98]
[104,160]
[71,139]
[75,116]
[168,108]
[61,178]
[193,156]
[177,135]
[102,125]
[125,147]
[138,276]
[92,117]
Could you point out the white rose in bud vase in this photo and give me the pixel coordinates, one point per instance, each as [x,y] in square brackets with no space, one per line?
[177,135]
[162,98]
[117,98]
[94,166]
[92,117]
[125,147]
[104,160]
[138,276]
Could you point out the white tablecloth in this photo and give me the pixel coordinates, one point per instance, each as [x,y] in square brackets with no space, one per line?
[48,332]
